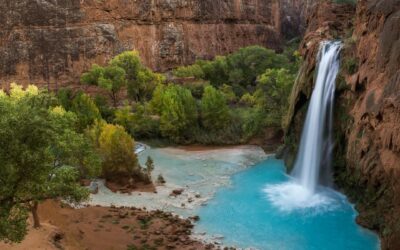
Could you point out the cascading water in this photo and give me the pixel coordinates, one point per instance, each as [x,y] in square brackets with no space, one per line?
[314,156]
[316,142]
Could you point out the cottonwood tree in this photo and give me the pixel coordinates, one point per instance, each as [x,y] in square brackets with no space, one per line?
[28,174]
[110,78]
[214,110]
[178,112]
[140,80]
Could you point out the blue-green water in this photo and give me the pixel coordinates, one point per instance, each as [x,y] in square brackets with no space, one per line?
[247,217]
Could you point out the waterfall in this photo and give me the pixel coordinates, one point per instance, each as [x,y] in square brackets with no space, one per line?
[315,152]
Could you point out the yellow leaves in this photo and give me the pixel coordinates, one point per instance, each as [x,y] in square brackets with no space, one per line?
[17,92]
[116,148]
[115,134]
[2,94]
[32,90]
[59,110]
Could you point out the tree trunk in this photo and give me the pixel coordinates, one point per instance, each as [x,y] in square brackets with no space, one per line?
[34,209]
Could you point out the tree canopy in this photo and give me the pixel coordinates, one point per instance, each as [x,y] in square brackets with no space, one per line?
[28,173]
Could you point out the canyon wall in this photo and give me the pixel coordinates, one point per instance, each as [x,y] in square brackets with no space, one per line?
[53,41]
[367,127]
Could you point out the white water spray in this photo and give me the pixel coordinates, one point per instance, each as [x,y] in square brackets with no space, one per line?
[316,142]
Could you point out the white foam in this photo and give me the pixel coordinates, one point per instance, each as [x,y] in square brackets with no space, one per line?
[291,196]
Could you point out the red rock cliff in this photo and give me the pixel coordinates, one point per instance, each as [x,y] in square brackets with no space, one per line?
[49,42]
[367,162]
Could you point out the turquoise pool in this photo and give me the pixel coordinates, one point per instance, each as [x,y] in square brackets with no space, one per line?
[247,214]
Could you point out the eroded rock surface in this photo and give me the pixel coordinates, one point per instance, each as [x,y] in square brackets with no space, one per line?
[367,161]
[53,41]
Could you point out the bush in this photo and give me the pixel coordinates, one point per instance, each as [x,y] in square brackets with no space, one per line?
[351,65]
[194,70]
[228,93]
[116,147]
[160,179]
[144,124]
[106,111]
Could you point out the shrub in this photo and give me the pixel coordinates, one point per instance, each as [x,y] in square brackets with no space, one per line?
[228,93]
[116,147]
[194,70]
[351,65]
[160,179]
[106,111]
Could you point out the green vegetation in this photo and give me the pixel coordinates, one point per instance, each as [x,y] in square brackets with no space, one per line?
[125,70]
[116,148]
[34,163]
[225,101]
[215,113]
[48,144]
[177,110]
[239,69]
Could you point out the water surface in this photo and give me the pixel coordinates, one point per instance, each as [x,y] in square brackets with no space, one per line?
[248,216]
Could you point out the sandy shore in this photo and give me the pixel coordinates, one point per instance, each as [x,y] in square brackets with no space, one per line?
[195,170]
[198,171]
[101,228]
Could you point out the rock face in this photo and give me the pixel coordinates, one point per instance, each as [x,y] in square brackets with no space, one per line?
[367,161]
[293,17]
[53,41]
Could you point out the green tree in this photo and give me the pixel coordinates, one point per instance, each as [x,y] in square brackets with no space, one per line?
[116,147]
[124,117]
[178,113]
[27,172]
[71,148]
[247,63]
[86,111]
[111,78]
[156,102]
[194,70]
[214,110]
[228,93]
[106,111]
[141,81]
[216,71]
[145,125]
[273,91]
[93,75]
